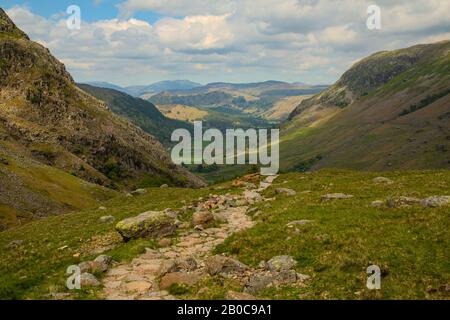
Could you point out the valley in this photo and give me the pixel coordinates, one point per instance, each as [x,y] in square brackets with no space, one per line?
[87,182]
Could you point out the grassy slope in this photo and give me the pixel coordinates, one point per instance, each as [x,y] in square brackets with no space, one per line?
[32,188]
[371,131]
[412,244]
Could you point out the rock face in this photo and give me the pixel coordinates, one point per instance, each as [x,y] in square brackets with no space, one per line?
[435,201]
[151,224]
[48,120]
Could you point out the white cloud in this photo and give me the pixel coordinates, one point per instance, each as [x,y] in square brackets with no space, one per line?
[235,40]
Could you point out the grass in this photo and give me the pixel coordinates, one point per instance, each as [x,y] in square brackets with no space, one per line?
[411,245]
[37,267]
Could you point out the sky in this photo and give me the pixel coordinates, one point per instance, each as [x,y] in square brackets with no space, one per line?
[138,42]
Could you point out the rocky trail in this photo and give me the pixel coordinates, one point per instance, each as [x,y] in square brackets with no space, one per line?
[186,261]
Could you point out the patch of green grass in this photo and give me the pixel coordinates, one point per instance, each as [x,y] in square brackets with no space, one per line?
[411,245]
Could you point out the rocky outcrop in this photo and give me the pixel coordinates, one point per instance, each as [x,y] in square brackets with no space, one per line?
[151,224]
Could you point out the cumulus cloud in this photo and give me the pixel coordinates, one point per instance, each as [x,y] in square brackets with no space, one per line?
[231,40]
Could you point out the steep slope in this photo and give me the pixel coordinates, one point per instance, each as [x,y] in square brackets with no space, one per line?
[141,112]
[389,111]
[44,117]
[107,85]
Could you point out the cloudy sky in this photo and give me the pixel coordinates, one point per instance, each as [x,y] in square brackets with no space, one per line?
[130,42]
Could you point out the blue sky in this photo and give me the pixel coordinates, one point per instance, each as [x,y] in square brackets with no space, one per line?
[131,42]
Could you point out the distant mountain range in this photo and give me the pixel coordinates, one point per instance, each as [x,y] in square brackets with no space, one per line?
[137,91]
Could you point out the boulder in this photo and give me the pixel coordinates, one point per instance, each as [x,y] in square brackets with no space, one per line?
[401,202]
[223,265]
[285,191]
[202,218]
[88,280]
[279,263]
[151,224]
[435,201]
[101,263]
[180,278]
[331,196]
[164,186]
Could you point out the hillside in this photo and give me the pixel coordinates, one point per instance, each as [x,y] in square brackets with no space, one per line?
[141,112]
[389,111]
[46,120]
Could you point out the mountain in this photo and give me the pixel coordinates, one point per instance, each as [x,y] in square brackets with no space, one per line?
[48,123]
[390,110]
[107,85]
[237,98]
[141,112]
[168,85]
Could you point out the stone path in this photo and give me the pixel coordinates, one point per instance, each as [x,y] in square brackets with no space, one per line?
[141,278]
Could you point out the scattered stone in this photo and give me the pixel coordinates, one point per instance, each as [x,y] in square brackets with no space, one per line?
[101,263]
[76,255]
[279,263]
[137,286]
[188,264]
[164,242]
[286,191]
[331,196]
[261,280]
[14,243]
[202,218]
[102,208]
[435,201]
[107,219]
[181,278]
[138,192]
[223,265]
[60,295]
[63,248]
[252,196]
[377,203]
[401,202]
[164,186]
[151,224]
[3,161]
[88,280]
[297,223]
[233,295]
[382,180]
[85,266]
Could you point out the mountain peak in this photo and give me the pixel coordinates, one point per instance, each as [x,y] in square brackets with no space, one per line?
[8,27]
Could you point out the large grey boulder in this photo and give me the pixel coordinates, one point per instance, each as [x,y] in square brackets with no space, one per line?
[151,224]
[280,263]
